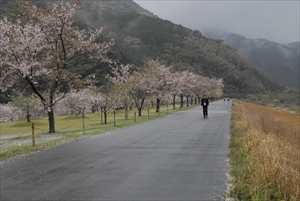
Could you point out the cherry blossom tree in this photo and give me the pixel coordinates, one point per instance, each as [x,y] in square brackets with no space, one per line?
[95,98]
[174,81]
[136,84]
[158,75]
[156,80]
[140,89]
[73,102]
[43,49]
[9,112]
[26,104]
[199,88]
[219,88]
[121,85]
[186,84]
[191,82]
[109,98]
[210,87]
[78,101]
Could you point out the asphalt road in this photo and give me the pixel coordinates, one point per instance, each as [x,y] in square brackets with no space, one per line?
[178,157]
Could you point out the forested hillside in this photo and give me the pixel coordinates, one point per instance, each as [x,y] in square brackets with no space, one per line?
[140,35]
[277,61]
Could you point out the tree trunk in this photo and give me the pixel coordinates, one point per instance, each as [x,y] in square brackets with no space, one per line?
[187,101]
[105,117]
[140,111]
[28,114]
[181,100]
[51,121]
[28,117]
[157,104]
[174,96]
[140,108]
[94,109]
[126,111]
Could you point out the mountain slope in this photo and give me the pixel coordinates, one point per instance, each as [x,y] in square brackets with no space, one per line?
[277,61]
[139,35]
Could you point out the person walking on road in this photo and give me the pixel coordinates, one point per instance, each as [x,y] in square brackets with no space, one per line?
[204,104]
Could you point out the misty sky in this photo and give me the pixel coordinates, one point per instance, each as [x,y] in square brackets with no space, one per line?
[277,21]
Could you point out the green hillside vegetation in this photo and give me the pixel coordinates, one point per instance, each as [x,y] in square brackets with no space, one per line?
[277,61]
[284,76]
[140,35]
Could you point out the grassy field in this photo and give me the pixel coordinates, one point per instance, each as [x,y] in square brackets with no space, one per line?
[16,136]
[264,153]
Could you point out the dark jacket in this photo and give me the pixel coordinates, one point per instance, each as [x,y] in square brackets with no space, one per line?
[204,102]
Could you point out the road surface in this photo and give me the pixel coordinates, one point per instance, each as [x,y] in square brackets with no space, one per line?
[182,156]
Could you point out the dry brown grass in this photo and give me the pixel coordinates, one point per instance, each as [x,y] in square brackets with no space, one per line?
[272,144]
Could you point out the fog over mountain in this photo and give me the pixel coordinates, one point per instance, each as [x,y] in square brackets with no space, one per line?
[278,61]
[268,31]
[276,21]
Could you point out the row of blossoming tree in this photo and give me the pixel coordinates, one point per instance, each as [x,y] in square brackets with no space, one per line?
[156,80]
[40,46]
[125,89]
